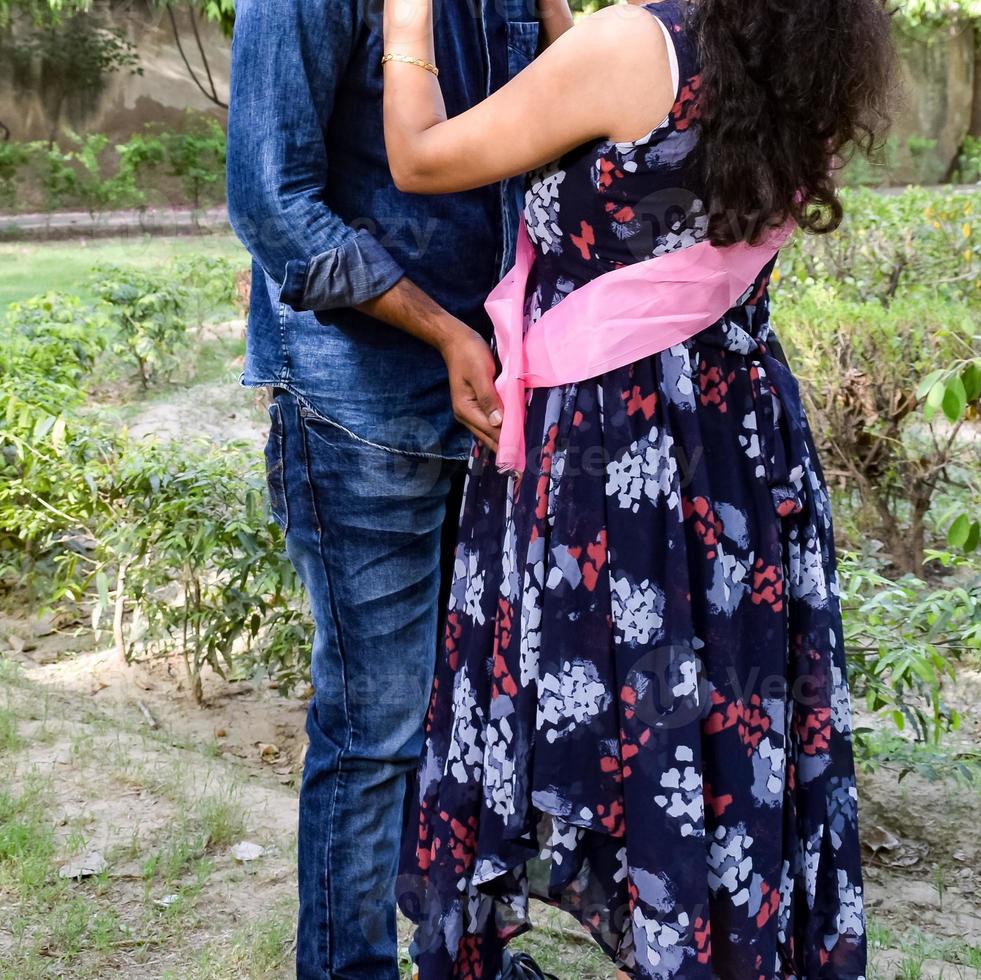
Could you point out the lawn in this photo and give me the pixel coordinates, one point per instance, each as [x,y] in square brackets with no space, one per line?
[29,268]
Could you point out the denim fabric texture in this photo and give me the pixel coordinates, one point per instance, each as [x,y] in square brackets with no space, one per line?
[364,527]
[311,196]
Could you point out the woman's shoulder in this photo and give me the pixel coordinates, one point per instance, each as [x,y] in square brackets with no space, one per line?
[622,35]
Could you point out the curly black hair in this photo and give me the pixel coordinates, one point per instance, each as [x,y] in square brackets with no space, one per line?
[788,89]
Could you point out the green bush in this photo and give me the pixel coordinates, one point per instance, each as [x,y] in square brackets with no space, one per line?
[880,323]
[969,162]
[13,156]
[90,173]
[55,173]
[906,637]
[211,284]
[862,367]
[54,338]
[197,158]
[148,313]
[139,157]
[171,544]
[199,563]
[890,243]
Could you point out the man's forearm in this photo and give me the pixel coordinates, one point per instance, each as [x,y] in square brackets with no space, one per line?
[408,308]
[469,362]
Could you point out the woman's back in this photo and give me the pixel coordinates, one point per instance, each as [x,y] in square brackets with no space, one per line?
[607,204]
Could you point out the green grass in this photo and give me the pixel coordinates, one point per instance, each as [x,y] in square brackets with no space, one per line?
[31,268]
[222,817]
[9,736]
[259,950]
[57,927]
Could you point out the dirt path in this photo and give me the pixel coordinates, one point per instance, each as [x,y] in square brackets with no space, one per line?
[112,766]
[51,226]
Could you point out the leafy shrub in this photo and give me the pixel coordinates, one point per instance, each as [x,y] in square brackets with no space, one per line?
[56,174]
[197,158]
[211,284]
[50,346]
[55,338]
[905,640]
[171,543]
[969,162]
[196,555]
[138,157]
[861,365]
[148,313]
[95,191]
[13,156]
[49,495]
[88,172]
[890,243]
[879,322]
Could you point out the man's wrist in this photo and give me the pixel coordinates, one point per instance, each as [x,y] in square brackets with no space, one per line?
[448,331]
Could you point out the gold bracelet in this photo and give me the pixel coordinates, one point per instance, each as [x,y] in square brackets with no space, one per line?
[409,60]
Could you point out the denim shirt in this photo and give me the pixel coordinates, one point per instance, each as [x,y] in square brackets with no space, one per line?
[311,196]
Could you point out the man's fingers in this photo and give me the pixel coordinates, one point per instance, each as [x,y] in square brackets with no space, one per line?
[490,403]
[473,417]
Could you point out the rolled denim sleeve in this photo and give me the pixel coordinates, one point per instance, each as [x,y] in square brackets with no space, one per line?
[288,58]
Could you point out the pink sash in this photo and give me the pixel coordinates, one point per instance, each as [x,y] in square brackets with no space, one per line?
[615,319]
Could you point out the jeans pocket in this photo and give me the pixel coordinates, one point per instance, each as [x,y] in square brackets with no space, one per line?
[275,460]
[522,45]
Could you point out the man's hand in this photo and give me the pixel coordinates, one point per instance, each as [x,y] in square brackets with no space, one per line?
[468,358]
[471,367]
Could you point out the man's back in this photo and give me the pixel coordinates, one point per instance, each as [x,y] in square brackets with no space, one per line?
[311,195]
[363,453]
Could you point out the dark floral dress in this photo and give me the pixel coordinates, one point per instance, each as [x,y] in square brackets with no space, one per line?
[640,713]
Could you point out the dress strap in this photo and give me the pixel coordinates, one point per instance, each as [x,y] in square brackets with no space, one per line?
[673,18]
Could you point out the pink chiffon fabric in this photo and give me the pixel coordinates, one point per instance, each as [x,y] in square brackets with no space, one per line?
[615,319]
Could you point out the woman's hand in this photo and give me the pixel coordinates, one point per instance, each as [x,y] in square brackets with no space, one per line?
[556,19]
[408,23]
[471,368]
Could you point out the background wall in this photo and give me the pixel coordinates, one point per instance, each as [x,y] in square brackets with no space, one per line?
[942,100]
[162,93]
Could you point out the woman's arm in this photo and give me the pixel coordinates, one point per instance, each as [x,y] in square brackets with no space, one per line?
[609,76]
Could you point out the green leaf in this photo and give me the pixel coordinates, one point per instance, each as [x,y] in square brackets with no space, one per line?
[926,385]
[955,400]
[58,433]
[971,378]
[973,538]
[935,398]
[959,531]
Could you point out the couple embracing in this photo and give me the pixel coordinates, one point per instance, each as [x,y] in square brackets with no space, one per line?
[546,475]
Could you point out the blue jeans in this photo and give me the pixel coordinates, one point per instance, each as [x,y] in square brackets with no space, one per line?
[364,528]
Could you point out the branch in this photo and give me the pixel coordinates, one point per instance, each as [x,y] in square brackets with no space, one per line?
[180,47]
[204,59]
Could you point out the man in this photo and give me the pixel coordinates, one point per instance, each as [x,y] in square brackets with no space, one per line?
[352,281]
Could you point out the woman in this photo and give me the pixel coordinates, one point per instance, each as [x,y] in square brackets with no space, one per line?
[641,712]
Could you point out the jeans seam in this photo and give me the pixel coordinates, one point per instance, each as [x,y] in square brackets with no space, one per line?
[346,747]
[306,407]
[307,412]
